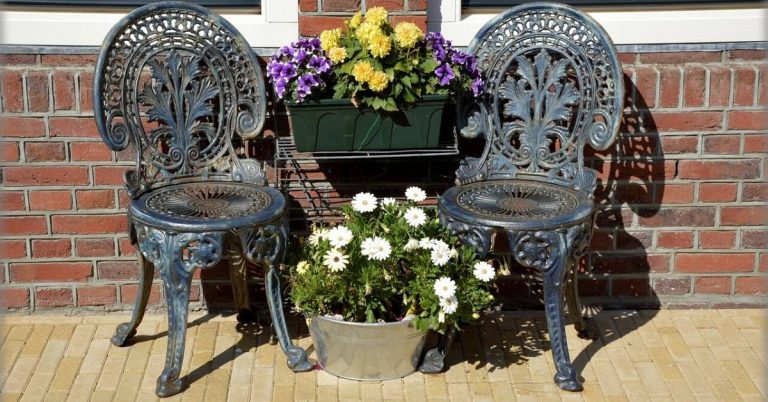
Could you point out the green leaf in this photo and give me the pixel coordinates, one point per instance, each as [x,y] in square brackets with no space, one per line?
[429,65]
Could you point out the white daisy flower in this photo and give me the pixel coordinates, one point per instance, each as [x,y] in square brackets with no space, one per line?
[412,244]
[302,267]
[441,317]
[426,243]
[440,255]
[364,202]
[317,235]
[445,287]
[484,271]
[415,216]
[415,194]
[449,305]
[439,243]
[339,236]
[387,201]
[335,260]
[375,248]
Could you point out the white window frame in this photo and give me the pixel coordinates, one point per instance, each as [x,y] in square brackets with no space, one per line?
[276,24]
[626,25]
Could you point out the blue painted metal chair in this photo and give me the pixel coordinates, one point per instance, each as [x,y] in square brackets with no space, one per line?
[553,85]
[184,88]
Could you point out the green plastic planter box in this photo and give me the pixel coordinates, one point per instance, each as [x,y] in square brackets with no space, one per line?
[336,125]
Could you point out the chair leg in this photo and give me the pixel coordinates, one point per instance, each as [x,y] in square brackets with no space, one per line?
[297,357]
[554,277]
[434,359]
[127,330]
[585,326]
[177,281]
[237,273]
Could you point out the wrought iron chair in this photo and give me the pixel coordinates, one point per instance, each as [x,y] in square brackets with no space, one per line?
[183,87]
[553,85]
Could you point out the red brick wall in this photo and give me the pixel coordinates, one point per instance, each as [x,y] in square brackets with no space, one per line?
[683,195]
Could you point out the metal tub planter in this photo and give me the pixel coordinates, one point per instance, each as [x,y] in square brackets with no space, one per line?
[363,351]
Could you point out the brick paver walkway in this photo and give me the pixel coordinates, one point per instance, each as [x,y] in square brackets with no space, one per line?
[648,355]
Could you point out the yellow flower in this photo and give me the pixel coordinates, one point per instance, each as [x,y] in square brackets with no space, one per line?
[366,31]
[330,38]
[380,46]
[337,54]
[362,71]
[407,34]
[355,21]
[302,267]
[376,15]
[378,81]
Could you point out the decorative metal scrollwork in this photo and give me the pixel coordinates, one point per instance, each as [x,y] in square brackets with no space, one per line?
[529,200]
[199,250]
[177,82]
[208,201]
[537,249]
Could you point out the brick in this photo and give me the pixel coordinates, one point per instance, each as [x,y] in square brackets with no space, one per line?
[694,86]
[125,247]
[308,6]
[109,175]
[51,271]
[713,285]
[96,295]
[754,239]
[63,90]
[94,247]
[421,5]
[672,286]
[313,25]
[22,126]
[675,240]
[73,127]
[762,265]
[601,241]
[744,86]
[747,120]
[634,240]
[714,262]
[680,57]
[688,121]
[44,152]
[9,152]
[646,87]
[669,87]
[12,201]
[14,298]
[70,60]
[90,151]
[118,270]
[746,54]
[714,170]
[722,144]
[51,248]
[752,285]
[53,200]
[629,264]
[757,143]
[13,91]
[95,199]
[123,199]
[128,294]
[341,5]
[45,176]
[53,297]
[37,91]
[86,92]
[17,59]
[391,5]
[674,193]
[23,225]
[720,239]
[679,216]
[744,216]
[679,144]
[419,20]
[89,224]
[13,249]
[719,86]
[754,192]
[717,192]
[635,287]
[762,88]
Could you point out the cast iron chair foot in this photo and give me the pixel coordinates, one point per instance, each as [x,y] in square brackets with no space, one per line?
[123,333]
[568,382]
[297,360]
[168,384]
[586,329]
[127,330]
[434,359]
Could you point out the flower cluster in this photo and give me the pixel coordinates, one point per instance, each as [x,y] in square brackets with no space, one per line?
[389,260]
[377,65]
[299,68]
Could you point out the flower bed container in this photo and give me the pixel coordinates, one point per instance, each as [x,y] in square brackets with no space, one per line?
[336,125]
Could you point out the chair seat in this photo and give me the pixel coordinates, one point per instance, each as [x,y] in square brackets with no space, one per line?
[208,205]
[516,204]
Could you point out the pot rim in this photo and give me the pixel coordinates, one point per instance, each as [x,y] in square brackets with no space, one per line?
[345,101]
[408,321]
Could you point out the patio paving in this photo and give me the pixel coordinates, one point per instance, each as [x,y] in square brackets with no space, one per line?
[662,355]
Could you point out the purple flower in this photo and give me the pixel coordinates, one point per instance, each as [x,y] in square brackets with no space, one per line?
[280,87]
[320,64]
[305,84]
[460,57]
[315,43]
[286,50]
[300,56]
[288,70]
[477,86]
[445,73]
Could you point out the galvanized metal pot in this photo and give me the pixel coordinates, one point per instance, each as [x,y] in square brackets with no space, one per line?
[362,351]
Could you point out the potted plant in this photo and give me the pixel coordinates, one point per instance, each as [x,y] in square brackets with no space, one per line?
[370,85]
[374,284]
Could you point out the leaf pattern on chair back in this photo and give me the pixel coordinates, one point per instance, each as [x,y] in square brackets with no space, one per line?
[553,84]
[178,83]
